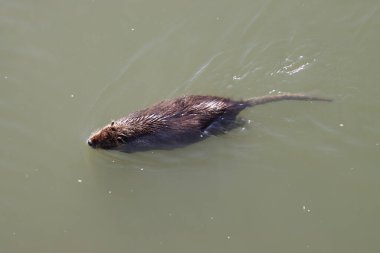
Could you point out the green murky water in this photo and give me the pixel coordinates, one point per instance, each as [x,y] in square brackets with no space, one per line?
[301,177]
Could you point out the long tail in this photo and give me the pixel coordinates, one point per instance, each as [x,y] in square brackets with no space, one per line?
[283,96]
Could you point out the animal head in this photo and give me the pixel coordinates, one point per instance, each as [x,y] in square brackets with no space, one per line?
[109,137]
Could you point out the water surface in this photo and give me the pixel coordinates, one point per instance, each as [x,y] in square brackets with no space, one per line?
[300,177]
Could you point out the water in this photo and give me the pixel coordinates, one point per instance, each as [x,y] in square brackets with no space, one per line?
[301,177]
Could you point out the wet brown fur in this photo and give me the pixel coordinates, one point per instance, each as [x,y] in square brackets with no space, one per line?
[178,122]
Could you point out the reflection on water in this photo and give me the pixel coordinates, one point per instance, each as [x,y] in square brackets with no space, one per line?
[299,177]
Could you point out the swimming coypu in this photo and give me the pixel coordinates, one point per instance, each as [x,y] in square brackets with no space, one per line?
[178,122]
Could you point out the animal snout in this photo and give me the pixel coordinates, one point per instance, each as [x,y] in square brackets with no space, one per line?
[90,143]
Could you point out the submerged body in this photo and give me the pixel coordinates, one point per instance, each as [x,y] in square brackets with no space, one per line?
[178,122]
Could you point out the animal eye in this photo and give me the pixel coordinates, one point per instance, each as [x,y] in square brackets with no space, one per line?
[112,123]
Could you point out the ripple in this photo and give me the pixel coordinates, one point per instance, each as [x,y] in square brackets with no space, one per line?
[292,67]
[196,75]
[144,49]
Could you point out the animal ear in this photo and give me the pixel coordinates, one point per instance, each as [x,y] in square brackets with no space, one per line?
[112,125]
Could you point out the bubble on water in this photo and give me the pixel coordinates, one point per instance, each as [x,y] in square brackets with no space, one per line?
[305,209]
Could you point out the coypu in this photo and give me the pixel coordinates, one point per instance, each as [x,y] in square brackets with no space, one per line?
[179,122]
